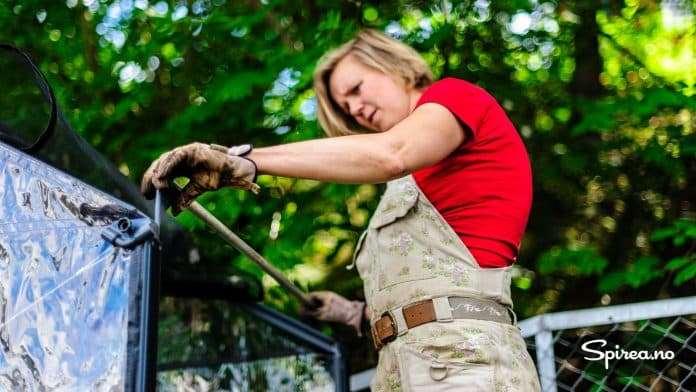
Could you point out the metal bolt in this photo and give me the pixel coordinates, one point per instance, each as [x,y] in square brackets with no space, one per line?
[123,224]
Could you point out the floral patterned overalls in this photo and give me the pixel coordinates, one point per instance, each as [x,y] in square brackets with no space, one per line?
[410,253]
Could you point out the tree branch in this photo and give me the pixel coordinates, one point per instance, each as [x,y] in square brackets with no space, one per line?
[635,59]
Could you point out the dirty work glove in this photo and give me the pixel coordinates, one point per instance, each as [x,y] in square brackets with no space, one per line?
[335,308]
[208,167]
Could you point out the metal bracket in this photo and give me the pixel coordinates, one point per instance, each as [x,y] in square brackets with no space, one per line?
[128,233]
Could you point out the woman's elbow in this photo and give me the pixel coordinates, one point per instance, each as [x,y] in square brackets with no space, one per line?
[391,163]
[393,166]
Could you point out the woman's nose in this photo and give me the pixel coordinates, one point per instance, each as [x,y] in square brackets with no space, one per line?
[355,108]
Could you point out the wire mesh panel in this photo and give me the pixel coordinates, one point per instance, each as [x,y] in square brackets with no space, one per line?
[296,373]
[219,345]
[635,353]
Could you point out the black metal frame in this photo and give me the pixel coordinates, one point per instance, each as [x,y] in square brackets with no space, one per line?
[149,308]
[47,91]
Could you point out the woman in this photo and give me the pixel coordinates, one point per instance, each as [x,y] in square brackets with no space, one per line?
[436,256]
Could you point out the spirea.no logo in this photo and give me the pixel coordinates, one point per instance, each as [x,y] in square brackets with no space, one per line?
[600,351]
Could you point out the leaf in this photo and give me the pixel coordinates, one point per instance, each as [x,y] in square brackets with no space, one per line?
[685,275]
[677,263]
[691,232]
[643,271]
[664,233]
[523,282]
[573,262]
[598,117]
[611,282]
[685,224]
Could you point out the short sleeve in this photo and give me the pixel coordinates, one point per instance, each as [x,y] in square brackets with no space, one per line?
[468,102]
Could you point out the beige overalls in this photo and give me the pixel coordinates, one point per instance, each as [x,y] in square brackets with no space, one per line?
[410,253]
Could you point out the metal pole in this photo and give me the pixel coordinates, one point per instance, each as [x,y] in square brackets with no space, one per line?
[239,244]
[546,360]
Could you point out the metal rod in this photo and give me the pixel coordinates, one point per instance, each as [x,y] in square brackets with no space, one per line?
[546,363]
[158,207]
[239,244]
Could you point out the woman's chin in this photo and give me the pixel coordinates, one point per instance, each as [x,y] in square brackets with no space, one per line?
[374,128]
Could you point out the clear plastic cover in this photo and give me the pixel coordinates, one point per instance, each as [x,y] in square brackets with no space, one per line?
[65,292]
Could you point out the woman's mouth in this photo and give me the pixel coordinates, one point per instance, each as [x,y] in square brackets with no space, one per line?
[372,117]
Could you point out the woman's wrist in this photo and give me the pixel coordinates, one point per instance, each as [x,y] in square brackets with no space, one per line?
[257,157]
[365,327]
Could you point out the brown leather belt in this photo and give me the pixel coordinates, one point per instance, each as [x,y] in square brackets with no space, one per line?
[384,330]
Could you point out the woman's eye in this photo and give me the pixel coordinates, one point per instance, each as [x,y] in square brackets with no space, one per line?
[356,89]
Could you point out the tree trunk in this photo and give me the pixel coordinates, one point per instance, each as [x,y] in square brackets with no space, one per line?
[588,62]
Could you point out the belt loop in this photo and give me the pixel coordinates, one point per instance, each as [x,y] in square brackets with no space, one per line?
[399,320]
[443,310]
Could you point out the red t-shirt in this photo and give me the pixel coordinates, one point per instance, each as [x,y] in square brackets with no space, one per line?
[484,188]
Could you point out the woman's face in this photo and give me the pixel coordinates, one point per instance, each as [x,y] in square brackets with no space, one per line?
[375,100]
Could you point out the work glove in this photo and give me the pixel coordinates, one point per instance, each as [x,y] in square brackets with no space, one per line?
[335,308]
[208,167]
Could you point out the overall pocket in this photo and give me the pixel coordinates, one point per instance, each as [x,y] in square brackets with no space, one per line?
[423,373]
[401,254]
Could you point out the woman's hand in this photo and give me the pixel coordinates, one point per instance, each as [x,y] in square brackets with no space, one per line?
[335,308]
[208,167]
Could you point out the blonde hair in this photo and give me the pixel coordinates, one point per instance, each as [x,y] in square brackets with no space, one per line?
[373,49]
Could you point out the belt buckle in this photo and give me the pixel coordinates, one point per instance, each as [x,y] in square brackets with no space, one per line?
[381,342]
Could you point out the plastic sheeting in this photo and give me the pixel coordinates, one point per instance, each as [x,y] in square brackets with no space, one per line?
[65,292]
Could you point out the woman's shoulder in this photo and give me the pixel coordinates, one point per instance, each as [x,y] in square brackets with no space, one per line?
[471,104]
[452,86]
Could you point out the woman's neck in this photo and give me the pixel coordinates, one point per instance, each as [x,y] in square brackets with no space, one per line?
[413,96]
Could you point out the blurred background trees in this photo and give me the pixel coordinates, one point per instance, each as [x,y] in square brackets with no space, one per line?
[602,93]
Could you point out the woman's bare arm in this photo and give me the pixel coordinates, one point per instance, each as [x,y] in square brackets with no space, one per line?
[426,136]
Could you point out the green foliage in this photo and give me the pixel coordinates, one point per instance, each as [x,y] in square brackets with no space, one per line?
[682,234]
[581,262]
[638,274]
